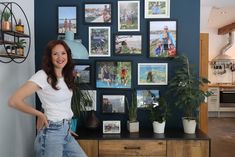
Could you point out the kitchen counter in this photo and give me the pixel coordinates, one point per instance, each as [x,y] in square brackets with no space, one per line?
[222,85]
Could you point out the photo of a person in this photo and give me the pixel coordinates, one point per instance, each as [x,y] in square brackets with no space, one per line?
[67,19]
[107,106]
[162,38]
[123,74]
[155,8]
[106,75]
[98,13]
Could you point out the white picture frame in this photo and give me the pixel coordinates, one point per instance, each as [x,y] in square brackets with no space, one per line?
[128,16]
[157,9]
[152,73]
[99,42]
[112,127]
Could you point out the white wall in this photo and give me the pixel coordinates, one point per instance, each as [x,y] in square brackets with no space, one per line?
[17,131]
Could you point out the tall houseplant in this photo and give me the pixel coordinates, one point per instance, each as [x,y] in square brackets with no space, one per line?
[185,86]
[80,99]
[132,123]
[158,112]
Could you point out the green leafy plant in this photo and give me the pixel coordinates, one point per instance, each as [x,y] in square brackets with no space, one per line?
[158,110]
[6,15]
[185,86]
[132,109]
[21,43]
[80,100]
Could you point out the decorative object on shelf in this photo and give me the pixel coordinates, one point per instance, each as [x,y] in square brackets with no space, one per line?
[92,122]
[11,37]
[185,87]
[132,123]
[158,113]
[79,51]
[20,45]
[6,24]
[157,8]
[19,27]
[162,38]
[152,73]
[112,127]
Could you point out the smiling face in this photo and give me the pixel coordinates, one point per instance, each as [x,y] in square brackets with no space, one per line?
[59,57]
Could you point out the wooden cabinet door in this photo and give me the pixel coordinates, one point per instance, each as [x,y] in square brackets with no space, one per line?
[132,148]
[90,147]
[188,148]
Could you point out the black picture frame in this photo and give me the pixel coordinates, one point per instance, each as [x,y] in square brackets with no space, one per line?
[162,38]
[66,19]
[95,13]
[112,104]
[83,73]
[127,44]
[113,74]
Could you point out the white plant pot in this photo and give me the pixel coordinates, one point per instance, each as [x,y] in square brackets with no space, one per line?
[133,126]
[189,126]
[159,128]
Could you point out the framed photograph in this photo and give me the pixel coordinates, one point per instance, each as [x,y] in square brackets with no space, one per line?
[97,13]
[128,44]
[112,127]
[162,39]
[99,41]
[152,73]
[83,73]
[146,97]
[113,74]
[157,8]
[128,16]
[113,103]
[92,94]
[67,19]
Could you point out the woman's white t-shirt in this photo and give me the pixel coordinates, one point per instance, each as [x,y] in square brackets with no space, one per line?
[56,103]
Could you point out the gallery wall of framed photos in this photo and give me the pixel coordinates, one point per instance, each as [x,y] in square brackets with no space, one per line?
[127,39]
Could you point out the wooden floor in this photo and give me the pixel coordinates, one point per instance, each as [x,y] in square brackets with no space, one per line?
[222,134]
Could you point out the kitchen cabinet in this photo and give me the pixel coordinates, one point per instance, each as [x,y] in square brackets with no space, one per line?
[213,100]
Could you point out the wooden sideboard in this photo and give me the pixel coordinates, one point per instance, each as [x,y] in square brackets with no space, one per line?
[173,143]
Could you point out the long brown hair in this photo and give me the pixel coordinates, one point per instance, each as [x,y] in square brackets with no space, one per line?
[48,66]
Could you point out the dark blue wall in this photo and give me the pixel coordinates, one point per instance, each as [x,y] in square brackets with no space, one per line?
[186,12]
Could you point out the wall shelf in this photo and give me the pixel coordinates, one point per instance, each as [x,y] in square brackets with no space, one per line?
[10,37]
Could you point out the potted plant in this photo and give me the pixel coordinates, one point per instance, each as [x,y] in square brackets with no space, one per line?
[81,100]
[132,123]
[185,86]
[20,45]
[158,112]
[6,24]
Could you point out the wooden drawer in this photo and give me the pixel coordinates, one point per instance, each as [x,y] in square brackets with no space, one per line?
[126,148]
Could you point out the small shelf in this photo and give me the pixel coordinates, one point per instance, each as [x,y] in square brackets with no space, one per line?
[16,34]
[11,56]
[7,42]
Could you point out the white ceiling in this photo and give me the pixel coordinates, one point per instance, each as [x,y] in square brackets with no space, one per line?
[217,13]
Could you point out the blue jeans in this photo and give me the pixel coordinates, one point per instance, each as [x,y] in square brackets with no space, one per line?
[56,141]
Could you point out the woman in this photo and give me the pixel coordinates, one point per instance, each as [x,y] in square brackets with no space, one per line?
[53,84]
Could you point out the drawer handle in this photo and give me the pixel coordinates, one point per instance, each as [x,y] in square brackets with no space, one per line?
[132,147]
